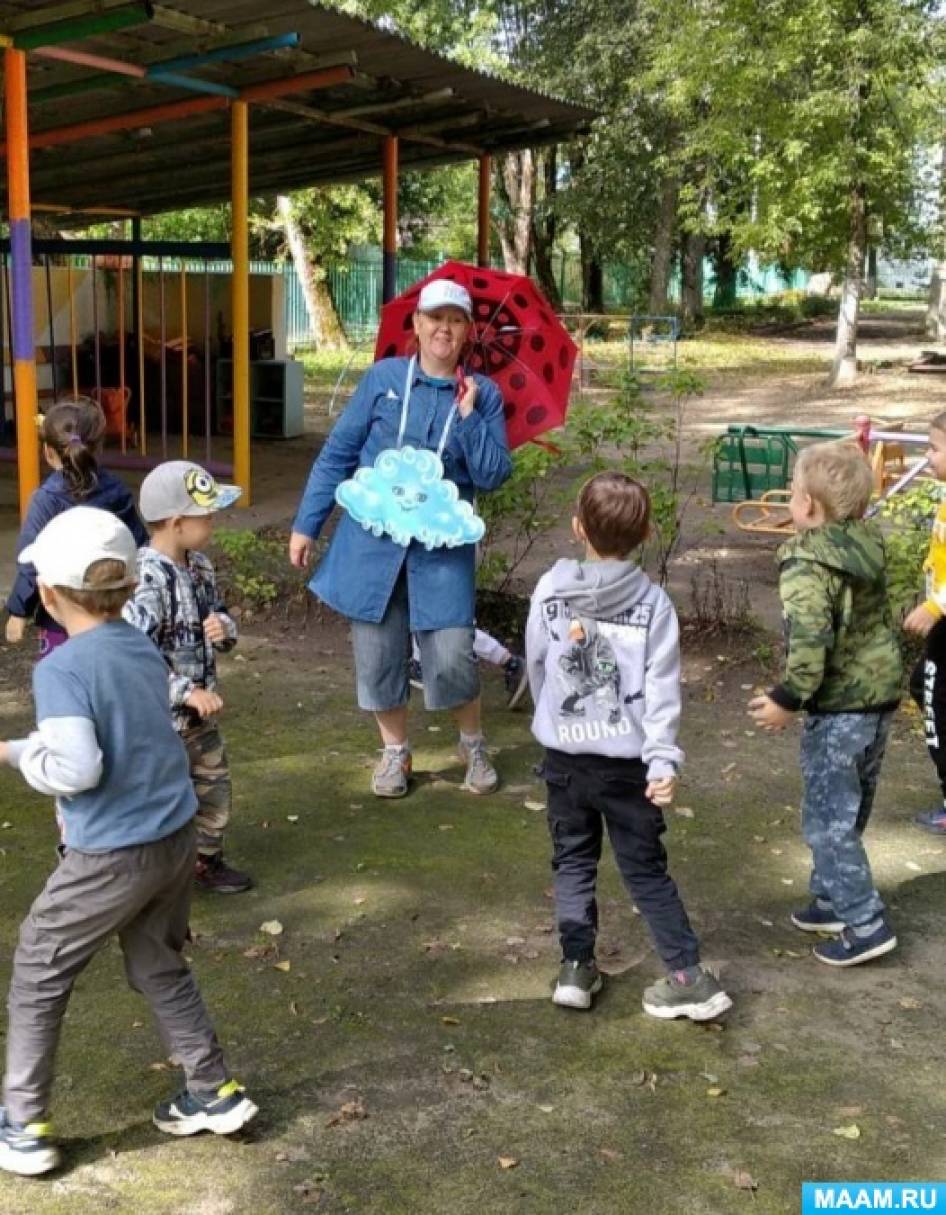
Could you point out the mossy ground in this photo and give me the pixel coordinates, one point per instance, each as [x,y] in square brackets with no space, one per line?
[420,947]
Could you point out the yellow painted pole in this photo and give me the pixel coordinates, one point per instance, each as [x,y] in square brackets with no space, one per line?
[185,424]
[240,253]
[21,266]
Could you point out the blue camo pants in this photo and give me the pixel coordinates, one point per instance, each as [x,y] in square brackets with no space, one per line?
[841,754]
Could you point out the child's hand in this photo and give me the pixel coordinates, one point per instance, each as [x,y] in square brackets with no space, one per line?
[920,621]
[768,715]
[466,401]
[204,703]
[214,629]
[661,792]
[16,629]
[300,550]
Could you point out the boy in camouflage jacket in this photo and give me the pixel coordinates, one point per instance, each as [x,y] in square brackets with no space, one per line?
[842,667]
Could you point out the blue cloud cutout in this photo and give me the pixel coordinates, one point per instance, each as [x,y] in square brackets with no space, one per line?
[405,496]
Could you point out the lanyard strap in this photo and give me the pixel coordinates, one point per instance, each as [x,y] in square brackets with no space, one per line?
[405,404]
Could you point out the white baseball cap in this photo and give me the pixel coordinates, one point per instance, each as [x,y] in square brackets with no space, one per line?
[76,539]
[444,293]
[180,487]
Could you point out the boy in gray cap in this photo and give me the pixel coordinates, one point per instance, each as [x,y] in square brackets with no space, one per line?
[176,604]
[105,748]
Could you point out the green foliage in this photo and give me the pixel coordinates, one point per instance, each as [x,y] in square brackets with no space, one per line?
[629,433]
[908,516]
[250,568]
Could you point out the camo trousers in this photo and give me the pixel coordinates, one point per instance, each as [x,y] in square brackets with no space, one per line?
[841,754]
[210,772]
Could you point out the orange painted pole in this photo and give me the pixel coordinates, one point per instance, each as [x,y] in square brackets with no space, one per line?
[153,115]
[389,242]
[240,290]
[482,226]
[21,267]
[185,421]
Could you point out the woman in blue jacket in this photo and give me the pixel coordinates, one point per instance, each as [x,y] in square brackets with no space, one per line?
[388,589]
[72,433]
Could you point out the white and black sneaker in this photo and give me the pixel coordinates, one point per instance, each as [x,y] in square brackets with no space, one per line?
[578,983]
[223,1112]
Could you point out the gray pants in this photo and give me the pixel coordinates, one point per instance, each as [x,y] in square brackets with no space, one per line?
[841,754]
[143,895]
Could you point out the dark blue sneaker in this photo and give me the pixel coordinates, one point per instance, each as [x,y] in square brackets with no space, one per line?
[850,950]
[516,678]
[27,1150]
[817,919]
[933,821]
[222,1112]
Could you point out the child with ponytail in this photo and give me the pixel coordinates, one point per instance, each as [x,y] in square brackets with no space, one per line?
[72,433]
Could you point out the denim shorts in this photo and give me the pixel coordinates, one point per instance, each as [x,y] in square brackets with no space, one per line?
[451,670]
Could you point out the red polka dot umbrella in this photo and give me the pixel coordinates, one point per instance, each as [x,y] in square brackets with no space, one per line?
[517,341]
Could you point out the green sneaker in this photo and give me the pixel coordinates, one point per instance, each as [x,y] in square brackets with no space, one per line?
[577,983]
[392,774]
[481,776]
[701,1000]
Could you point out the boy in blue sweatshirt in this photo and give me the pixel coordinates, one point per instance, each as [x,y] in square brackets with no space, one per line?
[106,749]
[602,647]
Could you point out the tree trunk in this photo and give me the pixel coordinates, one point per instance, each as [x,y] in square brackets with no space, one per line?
[658,303]
[870,284]
[844,367]
[544,229]
[515,177]
[324,324]
[691,297]
[592,277]
[727,273]
[936,300]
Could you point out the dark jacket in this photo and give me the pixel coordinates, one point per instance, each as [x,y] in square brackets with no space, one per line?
[51,499]
[842,653]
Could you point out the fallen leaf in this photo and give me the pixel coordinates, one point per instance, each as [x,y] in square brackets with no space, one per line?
[744,1181]
[684,811]
[546,1109]
[729,768]
[358,902]
[609,1154]
[788,881]
[538,807]
[907,865]
[508,1162]
[515,941]
[160,1066]
[449,1021]
[715,1091]
[292,818]
[285,967]
[293,1008]
[909,1002]
[272,927]
[351,1111]
[848,1132]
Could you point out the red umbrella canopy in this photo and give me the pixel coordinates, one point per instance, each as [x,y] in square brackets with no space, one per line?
[517,341]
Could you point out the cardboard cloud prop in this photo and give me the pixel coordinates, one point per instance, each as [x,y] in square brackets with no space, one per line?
[405,496]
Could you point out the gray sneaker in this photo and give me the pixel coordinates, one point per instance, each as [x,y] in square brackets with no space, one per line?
[392,774]
[481,776]
[577,983]
[700,1001]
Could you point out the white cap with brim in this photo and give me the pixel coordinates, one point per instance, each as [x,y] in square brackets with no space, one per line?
[180,487]
[443,293]
[63,551]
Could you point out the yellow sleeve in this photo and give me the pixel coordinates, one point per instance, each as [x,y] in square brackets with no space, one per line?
[935,566]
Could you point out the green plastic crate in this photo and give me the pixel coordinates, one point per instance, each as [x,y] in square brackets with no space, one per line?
[747,462]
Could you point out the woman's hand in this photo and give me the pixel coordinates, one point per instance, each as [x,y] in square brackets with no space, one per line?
[466,401]
[300,550]
[920,621]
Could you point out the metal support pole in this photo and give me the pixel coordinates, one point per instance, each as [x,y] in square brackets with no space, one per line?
[185,420]
[389,263]
[482,229]
[239,175]
[18,195]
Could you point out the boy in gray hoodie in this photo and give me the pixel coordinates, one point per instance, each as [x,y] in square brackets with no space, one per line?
[602,647]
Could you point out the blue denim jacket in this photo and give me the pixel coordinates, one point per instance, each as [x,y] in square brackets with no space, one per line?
[357,575]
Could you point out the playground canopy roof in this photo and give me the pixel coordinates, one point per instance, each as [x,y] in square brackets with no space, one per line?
[159,140]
